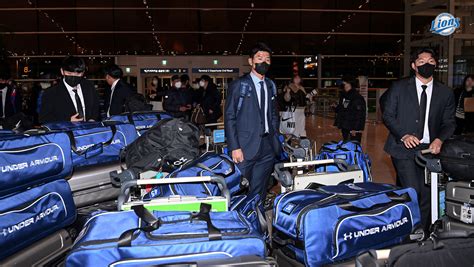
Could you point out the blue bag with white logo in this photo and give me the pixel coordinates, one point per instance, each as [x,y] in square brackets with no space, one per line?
[29,160]
[350,151]
[94,143]
[252,209]
[142,120]
[209,164]
[333,223]
[33,214]
[151,239]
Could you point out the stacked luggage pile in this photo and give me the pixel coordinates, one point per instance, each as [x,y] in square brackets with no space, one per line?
[135,190]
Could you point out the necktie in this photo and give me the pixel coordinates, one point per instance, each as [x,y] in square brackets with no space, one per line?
[80,111]
[262,106]
[1,103]
[423,103]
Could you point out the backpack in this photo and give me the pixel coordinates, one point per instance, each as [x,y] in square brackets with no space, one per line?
[167,145]
[137,102]
[245,88]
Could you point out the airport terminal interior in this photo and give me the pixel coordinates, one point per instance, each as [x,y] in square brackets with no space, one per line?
[87,88]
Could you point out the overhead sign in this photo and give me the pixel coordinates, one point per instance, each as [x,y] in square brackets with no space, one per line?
[445,24]
[162,70]
[215,70]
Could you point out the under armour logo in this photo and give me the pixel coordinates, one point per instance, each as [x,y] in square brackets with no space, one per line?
[347,236]
[4,232]
[180,161]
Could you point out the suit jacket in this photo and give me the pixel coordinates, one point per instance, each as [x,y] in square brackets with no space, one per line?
[57,105]
[122,91]
[400,115]
[244,130]
[12,106]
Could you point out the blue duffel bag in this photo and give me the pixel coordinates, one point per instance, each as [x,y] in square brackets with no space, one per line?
[33,214]
[95,143]
[350,151]
[142,120]
[150,239]
[252,209]
[209,164]
[334,223]
[29,160]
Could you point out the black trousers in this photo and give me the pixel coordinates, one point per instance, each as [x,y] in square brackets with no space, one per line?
[259,169]
[346,136]
[410,174]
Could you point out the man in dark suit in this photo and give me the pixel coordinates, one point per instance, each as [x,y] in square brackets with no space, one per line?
[119,90]
[10,98]
[419,113]
[251,121]
[73,98]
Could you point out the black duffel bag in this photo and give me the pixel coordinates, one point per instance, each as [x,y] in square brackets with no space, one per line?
[165,146]
[457,157]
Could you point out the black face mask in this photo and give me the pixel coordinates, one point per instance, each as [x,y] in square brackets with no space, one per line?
[426,70]
[73,81]
[262,68]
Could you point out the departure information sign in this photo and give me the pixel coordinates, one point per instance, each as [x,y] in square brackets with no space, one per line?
[162,70]
[215,70]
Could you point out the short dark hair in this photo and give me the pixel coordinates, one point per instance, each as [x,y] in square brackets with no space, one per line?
[465,79]
[4,71]
[73,64]
[113,71]
[174,77]
[419,51]
[259,47]
[206,78]
[184,78]
[351,80]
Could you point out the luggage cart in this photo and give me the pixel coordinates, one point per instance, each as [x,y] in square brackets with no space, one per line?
[300,179]
[176,202]
[215,139]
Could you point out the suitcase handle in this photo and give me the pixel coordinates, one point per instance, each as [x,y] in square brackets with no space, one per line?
[394,198]
[125,239]
[433,165]
[125,189]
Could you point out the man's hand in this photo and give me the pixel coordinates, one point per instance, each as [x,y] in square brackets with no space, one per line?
[410,141]
[435,146]
[237,155]
[76,117]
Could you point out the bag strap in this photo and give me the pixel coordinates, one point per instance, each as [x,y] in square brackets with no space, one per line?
[394,198]
[153,223]
[72,139]
[244,90]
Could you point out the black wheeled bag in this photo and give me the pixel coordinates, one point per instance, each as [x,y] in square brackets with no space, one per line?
[457,158]
[460,201]
[450,249]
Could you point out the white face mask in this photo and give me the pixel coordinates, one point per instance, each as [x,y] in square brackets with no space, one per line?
[178,84]
[202,83]
[154,82]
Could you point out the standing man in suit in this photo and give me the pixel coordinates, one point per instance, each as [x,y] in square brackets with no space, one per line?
[73,98]
[419,113]
[251,121]
[119,90]
[10,98]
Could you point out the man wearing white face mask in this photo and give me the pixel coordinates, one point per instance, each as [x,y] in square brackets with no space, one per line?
[175,102]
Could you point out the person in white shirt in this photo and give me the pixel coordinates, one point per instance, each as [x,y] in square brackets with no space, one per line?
[73,98]
[119,92]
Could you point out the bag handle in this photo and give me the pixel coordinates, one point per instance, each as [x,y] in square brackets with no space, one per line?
[113,128]
[394,198]
[125,239]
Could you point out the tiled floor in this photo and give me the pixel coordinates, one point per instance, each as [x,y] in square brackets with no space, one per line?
[373,140]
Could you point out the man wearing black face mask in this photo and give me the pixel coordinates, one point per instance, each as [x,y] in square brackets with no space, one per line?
[72,99]
[419,113]
[251,122]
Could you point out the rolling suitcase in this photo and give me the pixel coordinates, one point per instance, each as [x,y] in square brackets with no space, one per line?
[44,252]
[302,180]
[33,214]
[140,238]
[92,185]
[460,201]
[335,223]
[175,202]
